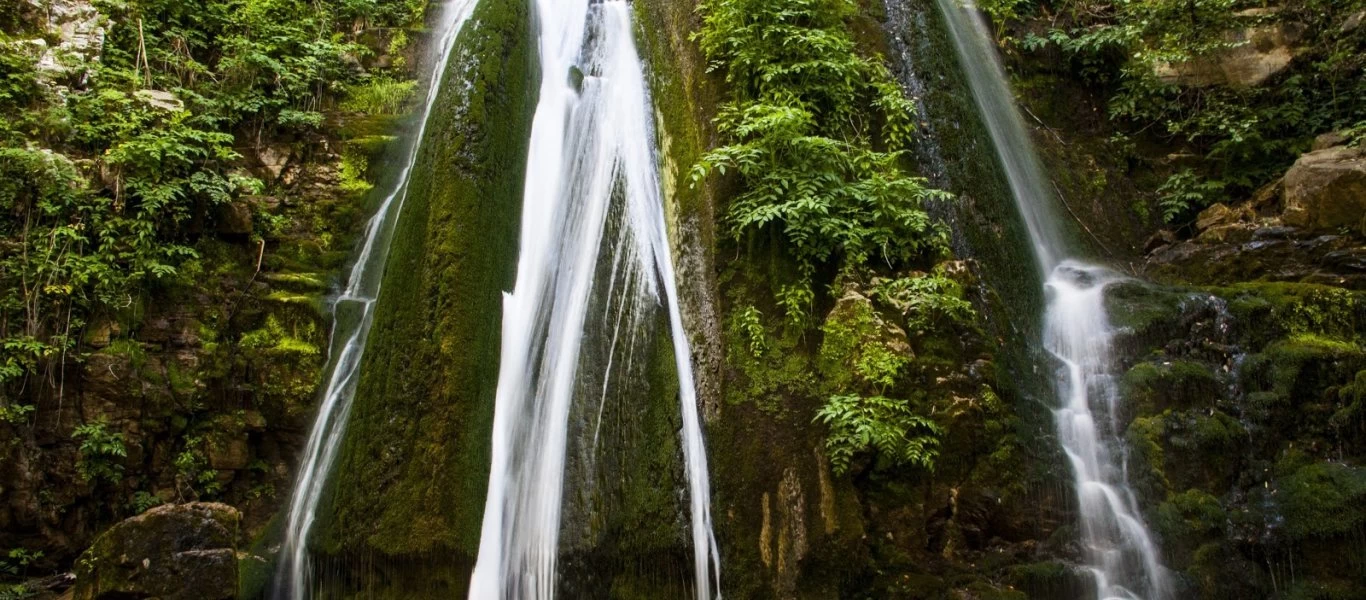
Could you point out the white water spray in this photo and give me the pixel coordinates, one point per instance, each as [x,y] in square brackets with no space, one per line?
[591,153]
[353,313]
[1119,550]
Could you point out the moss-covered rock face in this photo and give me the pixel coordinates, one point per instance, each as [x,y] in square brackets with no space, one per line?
[408,487]
[1245,442]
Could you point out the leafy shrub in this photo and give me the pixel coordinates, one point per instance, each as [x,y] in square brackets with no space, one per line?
[805,117]
[859,423]
[143,501]
[100,452]
[1246,136]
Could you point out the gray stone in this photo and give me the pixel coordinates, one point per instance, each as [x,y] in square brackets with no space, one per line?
[160,100]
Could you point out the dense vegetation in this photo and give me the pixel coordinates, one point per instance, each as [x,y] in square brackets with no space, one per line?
[111,166]
[1240,137]
[816,133]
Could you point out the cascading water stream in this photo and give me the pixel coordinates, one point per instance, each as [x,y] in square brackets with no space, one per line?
[353,314]
[1119,550]
[591,169]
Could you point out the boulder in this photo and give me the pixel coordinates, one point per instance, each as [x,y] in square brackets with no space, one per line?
[1325,190]
[1255,55]
[171,552]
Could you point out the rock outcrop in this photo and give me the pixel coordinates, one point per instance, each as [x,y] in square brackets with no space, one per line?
[1326,190]
[175,552]
[1253,56]
[1305,227]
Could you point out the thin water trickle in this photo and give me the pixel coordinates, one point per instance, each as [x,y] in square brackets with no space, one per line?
[353,314]
[1119,550]
[591,160]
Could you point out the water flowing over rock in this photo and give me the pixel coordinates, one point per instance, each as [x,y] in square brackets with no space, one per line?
[354,316]
[592,191]
[1117,547]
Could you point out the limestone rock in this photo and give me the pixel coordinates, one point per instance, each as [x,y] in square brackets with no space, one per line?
[160,100]
[1258,54]
[172,552]
[79,29]
[1326,190]
[1325,141]
[230,455]
[274,159]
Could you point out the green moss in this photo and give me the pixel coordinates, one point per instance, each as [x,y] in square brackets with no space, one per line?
[1266,311]
[1323,499]
[1153,387]
[1186,520]
[410,477]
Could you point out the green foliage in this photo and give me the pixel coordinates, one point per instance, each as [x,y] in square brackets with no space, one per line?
[1324,499]
[192,468]
[379,95]
[143,501]
[1184,192]
[1246,136]
[15,413]
[15,564]
[928,301]
[805,117]
[154,125]
[749,321]
[100,452]
[858,424]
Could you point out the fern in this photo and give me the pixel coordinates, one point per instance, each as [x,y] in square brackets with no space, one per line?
[100,451]
[889,426]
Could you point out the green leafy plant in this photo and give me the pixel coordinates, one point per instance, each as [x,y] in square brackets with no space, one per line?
[379,95]
[193,470]
[100,452]
[861,423]
[1183,191]
[143,501]
[806,114]
[1244,135]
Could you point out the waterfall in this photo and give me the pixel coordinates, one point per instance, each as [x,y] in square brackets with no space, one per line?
[591,173]
[1119,550]
[353,313]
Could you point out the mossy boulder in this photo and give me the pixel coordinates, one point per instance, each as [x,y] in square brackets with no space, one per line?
[172,552]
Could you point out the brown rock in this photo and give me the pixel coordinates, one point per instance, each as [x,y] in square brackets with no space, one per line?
[1325,141]
[1326,190]
[234,218]
[1258,54]
[1162,238]
[230,455]
[1218,214]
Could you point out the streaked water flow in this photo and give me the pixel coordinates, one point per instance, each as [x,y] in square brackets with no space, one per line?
[1119,550]
[591,174]
[353,314]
